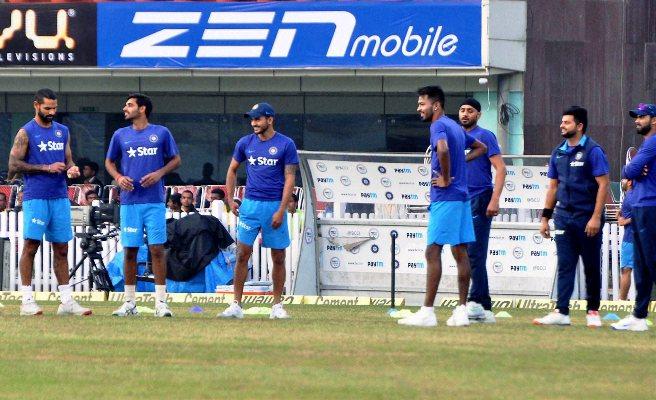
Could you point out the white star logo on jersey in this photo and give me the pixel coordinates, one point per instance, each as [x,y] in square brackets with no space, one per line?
[132,152]
[252,160]
[42,146]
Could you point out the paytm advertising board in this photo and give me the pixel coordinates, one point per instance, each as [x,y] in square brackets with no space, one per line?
[363,34]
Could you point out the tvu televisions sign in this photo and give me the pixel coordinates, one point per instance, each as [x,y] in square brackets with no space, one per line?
[362,34]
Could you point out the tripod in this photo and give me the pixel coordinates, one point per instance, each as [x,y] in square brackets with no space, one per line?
[91,246]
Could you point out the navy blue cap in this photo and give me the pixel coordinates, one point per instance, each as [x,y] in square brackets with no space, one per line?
[643,109]
[260,110]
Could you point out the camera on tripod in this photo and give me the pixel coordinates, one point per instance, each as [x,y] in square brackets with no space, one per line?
[100,223]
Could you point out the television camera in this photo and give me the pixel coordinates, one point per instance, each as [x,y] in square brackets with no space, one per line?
[100,223]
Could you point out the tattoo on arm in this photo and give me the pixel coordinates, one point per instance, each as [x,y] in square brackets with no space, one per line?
[17,164]
[290,169]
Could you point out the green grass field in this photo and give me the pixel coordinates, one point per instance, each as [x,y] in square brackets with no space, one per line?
[322,353]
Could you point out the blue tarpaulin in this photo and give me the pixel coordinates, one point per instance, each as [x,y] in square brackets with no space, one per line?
[218,272]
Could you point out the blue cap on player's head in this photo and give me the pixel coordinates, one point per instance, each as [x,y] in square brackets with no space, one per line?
[642,110]
[260,110]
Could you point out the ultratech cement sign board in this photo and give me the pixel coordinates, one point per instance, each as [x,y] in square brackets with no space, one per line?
[56,35]
[363,34]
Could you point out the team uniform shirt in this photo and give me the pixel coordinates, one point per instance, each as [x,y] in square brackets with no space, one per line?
[458,140]
[644,186]
[265,164]
[576,168]
[627,212]
[46,146]
[142,152]
[479,170]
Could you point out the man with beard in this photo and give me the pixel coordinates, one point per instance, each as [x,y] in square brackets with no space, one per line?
[578,185]
[147,153]
[642,170]
[485,205]
[42,154]
[450,220]
[270,175]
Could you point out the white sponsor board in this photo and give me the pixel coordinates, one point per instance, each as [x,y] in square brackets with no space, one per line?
[371,182]
[407,183]
[511,253]
[525,187]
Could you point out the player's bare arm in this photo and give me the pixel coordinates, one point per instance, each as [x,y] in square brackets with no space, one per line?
[72,170]
[231,178]
[124,182]
[155,176]
[17,163]
[290,178]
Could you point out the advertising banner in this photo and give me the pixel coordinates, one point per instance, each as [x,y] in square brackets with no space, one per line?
[54,35]
[512,253]
[371,182]
[325,34]
[404,183]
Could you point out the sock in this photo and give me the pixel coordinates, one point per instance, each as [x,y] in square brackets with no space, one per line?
[27,294]
[160,293]
[130,293]
[65,292]
[427,309]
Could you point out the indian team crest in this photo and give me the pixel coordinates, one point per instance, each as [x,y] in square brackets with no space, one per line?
[58,133]
[153,138]
[273,150]
[578,156]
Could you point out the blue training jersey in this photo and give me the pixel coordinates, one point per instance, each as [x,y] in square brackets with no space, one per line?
[265,167]
[627,212]
[458,140]
[479,170]
[46,146]
[644,186]
[142,152]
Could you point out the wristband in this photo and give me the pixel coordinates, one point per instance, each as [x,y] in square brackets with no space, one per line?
[547,213]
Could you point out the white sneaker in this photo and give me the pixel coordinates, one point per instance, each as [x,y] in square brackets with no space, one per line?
[128,309]
[425,317]
[277,312]
[553,318]
[458,317]
[233,311]
[72,308]
[631,323]
[475,310]
[30,308]
[162,309]
[593,319]
[488,318]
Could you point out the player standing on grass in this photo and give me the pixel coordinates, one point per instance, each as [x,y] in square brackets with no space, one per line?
[485,196]
[270,175]
[578,185]
[642,170]
[147,153]
[42,153]
[450,220]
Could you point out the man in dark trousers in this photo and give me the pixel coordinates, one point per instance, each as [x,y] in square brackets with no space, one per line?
[642,170]
[578,184]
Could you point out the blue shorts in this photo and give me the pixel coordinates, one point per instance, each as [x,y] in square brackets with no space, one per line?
[256,215]
[51,217]
[450,222]
[139,218]
[626,255]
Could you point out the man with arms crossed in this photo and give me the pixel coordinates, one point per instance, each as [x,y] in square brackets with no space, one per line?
[42,153]
[485,205]
[147,153]
[270,175]
[642,170]
[578,185]
[450,220]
